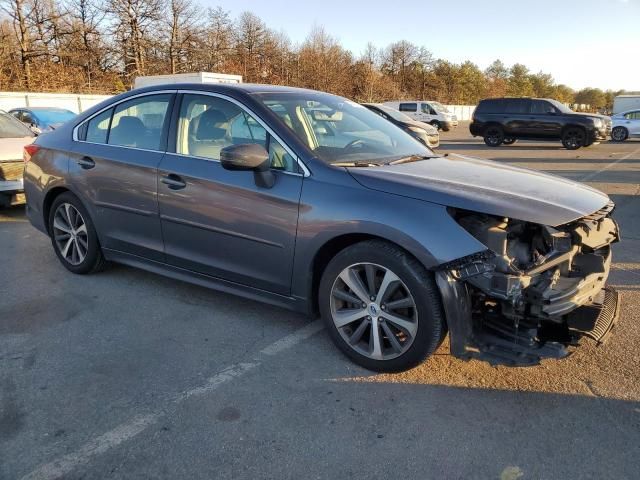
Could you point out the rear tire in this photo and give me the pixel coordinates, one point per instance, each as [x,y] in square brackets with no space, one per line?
[573,138]
[619,134]
[376,284]
[493,136]
[73,235]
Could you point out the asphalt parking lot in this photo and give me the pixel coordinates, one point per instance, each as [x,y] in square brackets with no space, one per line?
[127,374]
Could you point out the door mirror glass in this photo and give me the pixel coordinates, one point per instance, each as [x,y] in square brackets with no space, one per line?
[246,156]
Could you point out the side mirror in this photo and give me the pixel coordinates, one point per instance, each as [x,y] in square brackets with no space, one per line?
[34,128]
[249,156]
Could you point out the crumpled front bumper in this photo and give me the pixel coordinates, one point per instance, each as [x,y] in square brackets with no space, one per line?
[519,318]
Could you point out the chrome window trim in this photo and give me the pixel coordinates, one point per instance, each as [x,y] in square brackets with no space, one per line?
[305,171]
[301,165]
[113,105]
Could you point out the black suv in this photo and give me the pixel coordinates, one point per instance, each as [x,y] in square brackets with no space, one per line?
[504,120]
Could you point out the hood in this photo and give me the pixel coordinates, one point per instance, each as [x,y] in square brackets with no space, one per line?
[486,187]
[11,148]
[430,129]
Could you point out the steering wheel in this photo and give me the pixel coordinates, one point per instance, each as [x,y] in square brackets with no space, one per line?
[353,143]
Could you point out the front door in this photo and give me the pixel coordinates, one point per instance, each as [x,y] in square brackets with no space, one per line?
[546,120]
[632,122]
[219,222]
[114,166]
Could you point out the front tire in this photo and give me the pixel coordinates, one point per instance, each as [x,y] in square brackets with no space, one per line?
[73,235]
[436,124]
[573,138]
[619,134]
[493,136]
[381,307]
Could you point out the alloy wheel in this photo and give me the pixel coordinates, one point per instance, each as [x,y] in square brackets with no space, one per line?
[574,138]
[493,137]
[619,134]
[70,234]
[374,311]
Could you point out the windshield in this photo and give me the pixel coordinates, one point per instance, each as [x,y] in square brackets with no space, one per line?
[51,117]
[395,114]
[339,130]
[12,128]
[439,107]
[560,106]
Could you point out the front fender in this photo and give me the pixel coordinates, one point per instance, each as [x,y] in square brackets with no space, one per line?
[331,210]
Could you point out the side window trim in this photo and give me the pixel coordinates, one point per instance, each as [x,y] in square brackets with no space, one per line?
[171,147]
[76,129]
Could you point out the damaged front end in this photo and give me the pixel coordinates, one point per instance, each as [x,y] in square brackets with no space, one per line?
[535,291]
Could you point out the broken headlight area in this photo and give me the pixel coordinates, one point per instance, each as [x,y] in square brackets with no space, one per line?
[535,291]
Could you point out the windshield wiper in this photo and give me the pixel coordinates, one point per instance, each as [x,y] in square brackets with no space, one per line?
[411,158]
[357,164]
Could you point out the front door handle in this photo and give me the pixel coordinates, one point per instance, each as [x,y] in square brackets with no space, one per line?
[86,163]
[173,181]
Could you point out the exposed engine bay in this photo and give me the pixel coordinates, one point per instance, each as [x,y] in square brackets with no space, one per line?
[535,291]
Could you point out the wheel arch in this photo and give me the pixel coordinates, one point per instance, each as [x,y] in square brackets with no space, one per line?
[51,196]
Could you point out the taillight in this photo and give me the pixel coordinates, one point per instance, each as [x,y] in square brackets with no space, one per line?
[29,151]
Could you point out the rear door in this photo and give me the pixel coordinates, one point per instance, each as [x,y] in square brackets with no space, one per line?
[517,118]
[219,222]
[114,168]
[632,122]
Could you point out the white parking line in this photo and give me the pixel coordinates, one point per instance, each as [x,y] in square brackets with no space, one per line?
[64,465]
[608,166]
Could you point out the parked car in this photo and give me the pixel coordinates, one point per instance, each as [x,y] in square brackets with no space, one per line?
[625,125]
[13,138]
[423,132]
[504,120]
[42,119]
[625,103]
[433,113]
[242,188]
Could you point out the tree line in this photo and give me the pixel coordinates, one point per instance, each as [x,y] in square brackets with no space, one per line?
[93,46]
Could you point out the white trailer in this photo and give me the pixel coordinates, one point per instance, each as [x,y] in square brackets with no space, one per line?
[197,77]
[623,103]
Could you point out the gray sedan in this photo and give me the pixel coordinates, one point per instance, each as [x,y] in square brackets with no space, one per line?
[310,201]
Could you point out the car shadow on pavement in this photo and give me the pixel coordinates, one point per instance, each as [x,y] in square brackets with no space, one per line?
[483,430]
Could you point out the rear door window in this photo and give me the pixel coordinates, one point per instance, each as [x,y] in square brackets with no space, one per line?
[139,123]
[491,106]
[408,107]
[518,105]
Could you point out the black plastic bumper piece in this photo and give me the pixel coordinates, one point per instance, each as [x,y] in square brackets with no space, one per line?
[597,320]
[494,340]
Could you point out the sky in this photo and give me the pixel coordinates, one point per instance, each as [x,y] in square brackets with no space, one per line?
[582,43]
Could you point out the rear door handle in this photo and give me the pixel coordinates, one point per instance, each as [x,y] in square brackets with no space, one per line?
[86,163]
[173,181]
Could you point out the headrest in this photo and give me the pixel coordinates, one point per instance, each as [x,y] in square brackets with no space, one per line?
[131,123]
[208,128]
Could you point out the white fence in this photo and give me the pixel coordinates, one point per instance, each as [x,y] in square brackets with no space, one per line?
[71,101]
[78,102]
[463,112]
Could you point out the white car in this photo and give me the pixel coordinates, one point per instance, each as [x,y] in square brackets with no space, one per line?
[14,136]
[625,125]
[427,111]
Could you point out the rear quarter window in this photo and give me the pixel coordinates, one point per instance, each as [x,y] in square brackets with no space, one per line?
[98,127]
[408,107]
[490,106]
